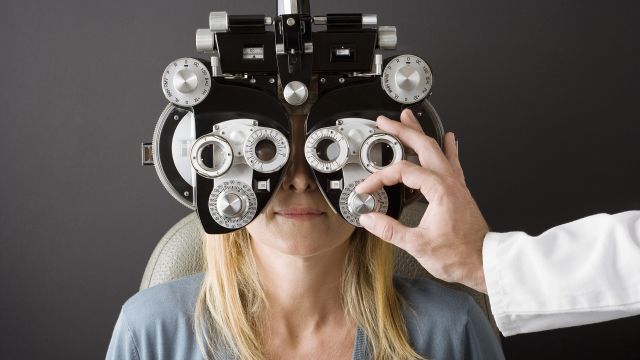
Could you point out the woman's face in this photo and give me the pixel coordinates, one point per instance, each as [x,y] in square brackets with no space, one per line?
[297,220]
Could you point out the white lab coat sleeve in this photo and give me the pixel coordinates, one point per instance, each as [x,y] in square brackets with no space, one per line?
[578,273]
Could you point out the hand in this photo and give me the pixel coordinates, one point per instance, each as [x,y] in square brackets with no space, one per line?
[448,240]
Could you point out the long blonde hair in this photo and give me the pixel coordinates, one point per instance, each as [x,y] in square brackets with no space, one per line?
[231,300]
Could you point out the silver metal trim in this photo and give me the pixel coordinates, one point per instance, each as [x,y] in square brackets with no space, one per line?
[320,20]
[158,165]
[369,19]
[287,7]
[308,48]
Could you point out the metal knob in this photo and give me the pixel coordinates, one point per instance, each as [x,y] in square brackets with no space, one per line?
[361,203]
[230,205]
[205,40]
[407,78]
[295,93]
[218,21]
[185,81]
[387,37]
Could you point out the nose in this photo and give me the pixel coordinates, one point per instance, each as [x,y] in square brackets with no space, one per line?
[298,177]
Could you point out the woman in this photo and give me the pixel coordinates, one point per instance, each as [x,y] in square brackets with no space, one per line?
[299,282]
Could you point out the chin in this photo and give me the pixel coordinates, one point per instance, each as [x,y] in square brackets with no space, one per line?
[301,244]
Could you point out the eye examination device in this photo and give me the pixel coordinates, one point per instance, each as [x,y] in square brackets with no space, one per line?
[223,143]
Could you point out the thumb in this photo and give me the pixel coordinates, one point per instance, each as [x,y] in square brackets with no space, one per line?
[384,227]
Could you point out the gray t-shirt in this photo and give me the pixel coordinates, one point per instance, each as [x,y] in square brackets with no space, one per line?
[157,323]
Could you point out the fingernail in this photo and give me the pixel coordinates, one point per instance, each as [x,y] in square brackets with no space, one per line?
[383,117]
[365,220]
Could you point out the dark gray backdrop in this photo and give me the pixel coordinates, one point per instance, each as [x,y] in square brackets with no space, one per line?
[542,94]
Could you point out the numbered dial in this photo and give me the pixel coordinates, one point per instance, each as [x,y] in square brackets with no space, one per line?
[233,204]
[186,82]
[266,150]
[326,150]
[407,79]
[352,205]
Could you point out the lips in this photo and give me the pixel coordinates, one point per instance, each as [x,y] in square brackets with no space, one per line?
[299,211]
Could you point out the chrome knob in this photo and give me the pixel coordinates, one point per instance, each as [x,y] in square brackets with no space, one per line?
[387,37]
[296,93]
[230,205]
[205,40]
[218,21]
[361,203]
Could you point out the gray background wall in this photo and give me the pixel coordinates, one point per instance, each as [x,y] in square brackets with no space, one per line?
[543,95]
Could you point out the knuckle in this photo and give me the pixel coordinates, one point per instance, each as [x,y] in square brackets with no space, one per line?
[387,231]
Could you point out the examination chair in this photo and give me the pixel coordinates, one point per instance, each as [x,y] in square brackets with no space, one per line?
[179,254]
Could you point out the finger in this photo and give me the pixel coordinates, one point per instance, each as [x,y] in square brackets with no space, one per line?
[411,175]
[385,227]
[408,118]
[429,153]
[451,151]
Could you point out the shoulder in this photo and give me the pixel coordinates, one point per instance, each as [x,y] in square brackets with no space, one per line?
[168,301]
[426,297]
[445,323]
[157,323]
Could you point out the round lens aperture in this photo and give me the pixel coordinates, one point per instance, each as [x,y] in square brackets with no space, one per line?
[266,150]
[379,151]
[327,149]
[381,154]
[211,156]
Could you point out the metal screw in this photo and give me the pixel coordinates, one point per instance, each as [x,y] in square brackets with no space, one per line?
[291,21]
[186,193]
[323,80]
[216,127]
[176,117]
[341,80]
[253,80]
[272,80]
[339,122]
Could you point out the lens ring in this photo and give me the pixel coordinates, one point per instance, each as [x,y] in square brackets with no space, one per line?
[368,162]
[279,142]
[225,154]
[315,141]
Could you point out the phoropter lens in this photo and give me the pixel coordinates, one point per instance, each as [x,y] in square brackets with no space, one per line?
[381,154]
[212,156]
[327,150]
[265,150]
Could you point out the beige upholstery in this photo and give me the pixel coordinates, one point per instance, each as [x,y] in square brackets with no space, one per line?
[179,253]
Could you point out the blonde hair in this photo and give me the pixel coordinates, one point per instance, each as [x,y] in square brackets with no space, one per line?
[231,300]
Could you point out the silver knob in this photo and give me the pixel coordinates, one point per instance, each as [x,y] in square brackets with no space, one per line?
[205,40]
[361,203]
[230,205]
[185,81]
[295,93]
[369,19]
[218,21]
[387,37]
[407,78]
